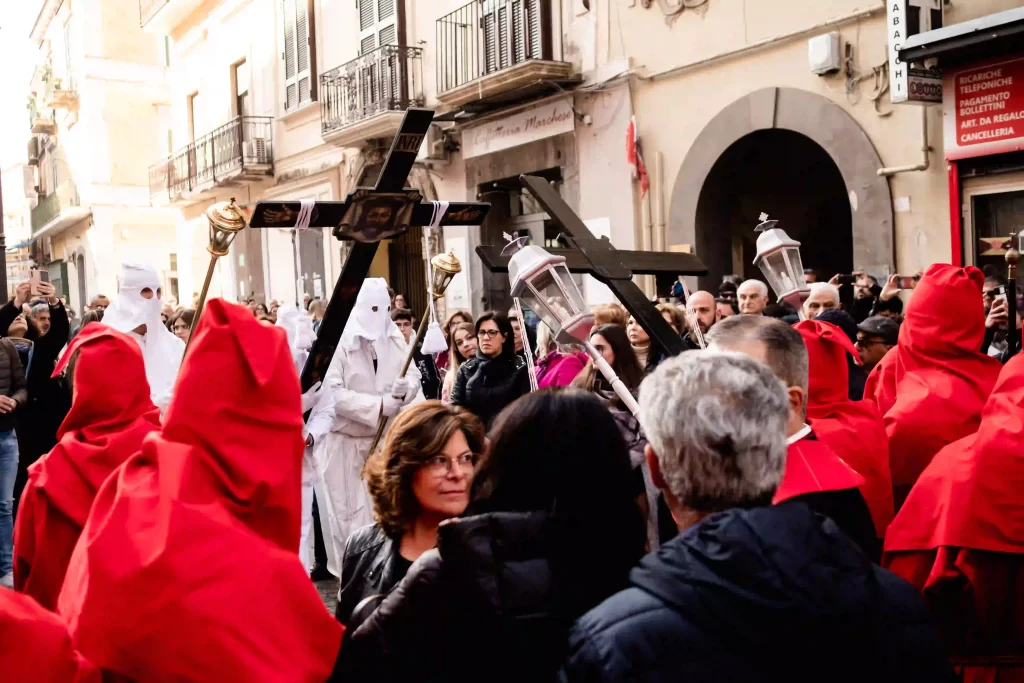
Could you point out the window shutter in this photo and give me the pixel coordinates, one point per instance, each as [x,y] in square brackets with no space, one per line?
[385,9]
[389,35]
[302,50]
[299,70]
[291,91]
[366,14]
[535,37]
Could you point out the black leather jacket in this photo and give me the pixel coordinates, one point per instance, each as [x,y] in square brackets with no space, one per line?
[484,386]
[371,567]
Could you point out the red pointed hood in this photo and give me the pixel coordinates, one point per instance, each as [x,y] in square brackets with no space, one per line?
[242,373]
[853,429]
[942,378]
[36,644]
[111,413]
[969,496]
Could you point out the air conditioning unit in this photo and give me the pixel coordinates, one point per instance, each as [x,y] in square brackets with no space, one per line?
[440,144]
[33,151]
[825,53]
[257,151]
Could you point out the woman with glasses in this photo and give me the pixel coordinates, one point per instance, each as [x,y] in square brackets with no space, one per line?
[419,478]
[552,530]
[496,376]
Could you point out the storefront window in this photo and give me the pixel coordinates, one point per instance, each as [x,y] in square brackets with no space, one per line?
[995,217]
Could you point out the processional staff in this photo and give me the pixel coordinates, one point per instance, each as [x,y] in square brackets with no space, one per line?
[1012,257]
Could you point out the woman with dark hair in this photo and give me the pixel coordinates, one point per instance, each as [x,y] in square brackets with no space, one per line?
[260,310]
[180,324]
[496,376]
[420,478]
[554,531]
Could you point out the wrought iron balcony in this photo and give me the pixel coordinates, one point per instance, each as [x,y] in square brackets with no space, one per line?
[237,151]
[487,48]
[365,98]
[58,209]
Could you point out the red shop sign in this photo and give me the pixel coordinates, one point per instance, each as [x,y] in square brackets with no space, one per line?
[987,108]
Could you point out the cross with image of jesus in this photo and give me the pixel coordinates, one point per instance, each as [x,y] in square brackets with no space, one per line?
[367,216]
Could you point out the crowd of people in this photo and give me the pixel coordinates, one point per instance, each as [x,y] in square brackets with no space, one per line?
[833,490]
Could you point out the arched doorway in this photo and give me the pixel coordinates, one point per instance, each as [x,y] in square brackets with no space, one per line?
[792,179]
[713,186]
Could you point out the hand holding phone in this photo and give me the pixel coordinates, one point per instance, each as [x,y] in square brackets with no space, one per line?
[906,282]
[37,277]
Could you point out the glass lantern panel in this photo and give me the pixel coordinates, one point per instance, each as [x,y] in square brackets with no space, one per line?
[573,298]
[441,280]
[796,265]
[541,290]
[773,265]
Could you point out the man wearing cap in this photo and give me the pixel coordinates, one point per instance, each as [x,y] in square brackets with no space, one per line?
[875,336]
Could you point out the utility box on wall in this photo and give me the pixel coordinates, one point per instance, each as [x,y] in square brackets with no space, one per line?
[825,53]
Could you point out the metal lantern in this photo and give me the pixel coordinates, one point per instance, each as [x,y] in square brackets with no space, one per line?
[778,257]
[445,268]
[226,221]
[543,282]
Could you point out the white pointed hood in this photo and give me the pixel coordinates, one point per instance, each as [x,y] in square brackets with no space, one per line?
[367,323]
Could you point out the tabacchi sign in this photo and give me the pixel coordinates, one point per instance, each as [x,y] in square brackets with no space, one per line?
[906,84]
[535,123]
[986,106]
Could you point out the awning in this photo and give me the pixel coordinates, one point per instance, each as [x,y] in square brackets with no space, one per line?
[21,245]
[989,37]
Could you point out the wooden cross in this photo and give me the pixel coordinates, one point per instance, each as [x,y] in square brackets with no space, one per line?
[614,268]
[368,215]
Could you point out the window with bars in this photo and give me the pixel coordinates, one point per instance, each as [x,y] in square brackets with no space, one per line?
[299,55]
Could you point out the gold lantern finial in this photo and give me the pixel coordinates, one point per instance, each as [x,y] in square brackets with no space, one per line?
[226,220]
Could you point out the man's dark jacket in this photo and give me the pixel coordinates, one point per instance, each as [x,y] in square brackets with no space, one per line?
[775,593]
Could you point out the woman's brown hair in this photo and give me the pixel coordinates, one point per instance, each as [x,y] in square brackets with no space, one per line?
[418,434]
[455,357]
[464,315]
[610,314]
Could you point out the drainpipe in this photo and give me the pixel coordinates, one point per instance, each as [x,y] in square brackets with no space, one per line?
[925,149]
[659,207]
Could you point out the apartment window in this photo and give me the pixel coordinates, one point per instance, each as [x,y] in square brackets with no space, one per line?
[240,85]
[193,106]
[378,24]
[299,53]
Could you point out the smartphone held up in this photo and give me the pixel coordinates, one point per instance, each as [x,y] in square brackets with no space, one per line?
[37,277]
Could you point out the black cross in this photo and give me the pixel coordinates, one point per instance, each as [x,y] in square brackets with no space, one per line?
[392,207]
[614,268]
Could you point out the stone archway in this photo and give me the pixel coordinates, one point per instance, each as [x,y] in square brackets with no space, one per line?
[814,117]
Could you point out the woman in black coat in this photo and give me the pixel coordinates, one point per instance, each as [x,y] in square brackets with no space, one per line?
[496,376]
[552,531]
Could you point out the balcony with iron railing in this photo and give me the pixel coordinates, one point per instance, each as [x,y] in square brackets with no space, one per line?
[57,210]
[239,151]
[365,98]
[488,48]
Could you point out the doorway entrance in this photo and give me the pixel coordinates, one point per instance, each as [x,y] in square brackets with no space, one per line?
[993,207]
[791,178]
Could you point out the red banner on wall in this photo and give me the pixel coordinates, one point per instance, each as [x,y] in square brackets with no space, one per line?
[987,104]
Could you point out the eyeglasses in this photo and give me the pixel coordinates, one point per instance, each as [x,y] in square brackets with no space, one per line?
[867,342]
[488,334]
[441,466]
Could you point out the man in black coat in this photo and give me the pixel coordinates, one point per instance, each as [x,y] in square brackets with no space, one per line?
[748,591]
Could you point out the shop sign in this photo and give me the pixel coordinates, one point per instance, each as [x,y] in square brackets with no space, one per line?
[906,84]
[984,109]
[529,125]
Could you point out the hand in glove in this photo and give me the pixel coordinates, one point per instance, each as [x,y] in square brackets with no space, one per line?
[310,398]
[390,406]
[400,388]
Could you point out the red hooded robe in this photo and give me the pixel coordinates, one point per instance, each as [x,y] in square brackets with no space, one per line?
[188,567]
[35,645]
[941,377]
[880,387]
[853,429]
[959,538]
[111,414]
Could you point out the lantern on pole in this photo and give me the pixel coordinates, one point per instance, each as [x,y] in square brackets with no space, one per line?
[778,257]
[544,284]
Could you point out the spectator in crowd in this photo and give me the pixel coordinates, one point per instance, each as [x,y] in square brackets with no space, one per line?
[218,592]
[306,300]
[814,473]
[517,333]
[463,347]
[496,376]
[727,292]
[110,415]
[611,314]
[704,308]
[91,316]
[647,354]
[557,364]
[181,324]
[419,478]
[260,310]
[725,308]
[876,336]
[443,359]
[855,372]
[994,293]
[865,295]
[317,308]
[552,530]
[673,316]
[48,400]
[398,301]
[958,538]
[823,297]
[932,387]
[753,297]
[430,379]
[853,429]
[744,580]
[811,276]
[13,397]
[99,303]
[37,646]
[166,312]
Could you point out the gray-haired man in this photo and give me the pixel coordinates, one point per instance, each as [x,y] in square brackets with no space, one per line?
[747,590]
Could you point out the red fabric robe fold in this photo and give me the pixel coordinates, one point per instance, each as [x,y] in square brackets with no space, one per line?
[188,566]
[959,538]
[35,645]
[813,467]
[941,377]
[111,413]
[853,429]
